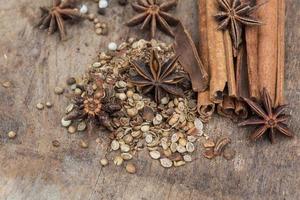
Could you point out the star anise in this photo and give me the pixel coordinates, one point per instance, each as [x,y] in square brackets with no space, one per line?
[235,14]
[153,13]
[269,118]
[157,77]
[53,18]
[96,108]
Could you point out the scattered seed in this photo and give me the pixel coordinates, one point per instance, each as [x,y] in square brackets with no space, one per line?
[78,91]
[58,90]
[191,138]
[104,162]
[48,104]
[81,126]
[55,143]
[198,124]
[173,147]
[126,156]
[154,154]
[40,106]
[145,128]
[187,158]
[71,81]
[190,147]
[91,16]
[165,162]
[83,9]
[118,160]
[174,137]
[130,168]
[179,163]
[132,112]
[125,147]
[6,84]
[72,129]
[83,144]
[11,134]
[98,31]
[182,141]
[65,123]
[115,145]
[181,149]
[112,46]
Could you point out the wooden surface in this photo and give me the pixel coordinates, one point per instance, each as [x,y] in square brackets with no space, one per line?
[31,168]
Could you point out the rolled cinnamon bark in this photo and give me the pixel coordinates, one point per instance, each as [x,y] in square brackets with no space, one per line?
[217,56]
[268,46]
[205,106]
[279,99]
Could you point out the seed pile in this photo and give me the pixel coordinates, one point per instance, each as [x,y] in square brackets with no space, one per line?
[169,130]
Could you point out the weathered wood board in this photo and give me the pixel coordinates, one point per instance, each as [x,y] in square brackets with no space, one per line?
[31,168]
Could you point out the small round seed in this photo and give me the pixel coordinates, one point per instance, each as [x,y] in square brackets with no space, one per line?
[130,168]
[118,160]
[115,145]
[78,91]
[91,16]
[48,104]
[83,144]
[65,123]
[71,81]
[72,129]
[81,126]
[190,147]
[112,46]
[58,90]
[40,106]
[11,134]
[104,162]
[187,158]
[126,156]
[98,31]
[125,148]
[165,162]
[154,154]
[83,9]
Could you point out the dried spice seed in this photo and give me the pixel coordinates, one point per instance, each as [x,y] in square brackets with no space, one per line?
[48,104]
[104,162]
[118,160]
[58,90]
[72,129]
[130,168]
[154,154]
[165,162]
[6,84]
[11,134]
[65,123]
[83,144]
[40,106]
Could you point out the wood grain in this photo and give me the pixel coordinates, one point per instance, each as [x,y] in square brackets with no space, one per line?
[30,168]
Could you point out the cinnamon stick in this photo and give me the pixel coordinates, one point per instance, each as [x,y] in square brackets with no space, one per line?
[279,98]
[251,34]
[217,56]
[268,46]
[205,106]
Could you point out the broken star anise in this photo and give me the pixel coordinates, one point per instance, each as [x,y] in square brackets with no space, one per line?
[53,18]
[95,107]
[235,14]
[153,13]
[157,77]
[268,118]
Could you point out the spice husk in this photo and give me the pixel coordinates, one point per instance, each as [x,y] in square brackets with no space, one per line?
[189,58]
